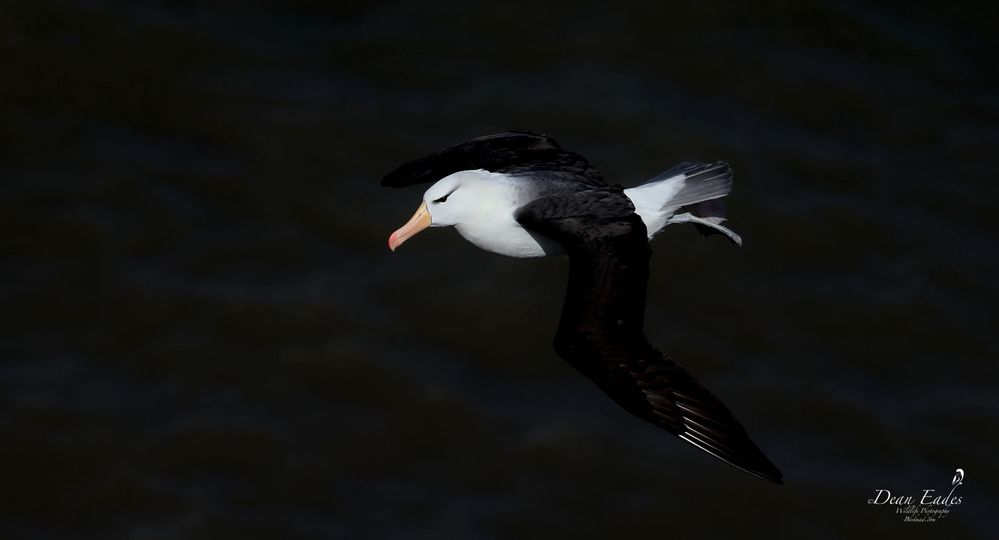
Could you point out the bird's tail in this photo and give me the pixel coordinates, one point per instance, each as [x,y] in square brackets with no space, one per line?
[686,193]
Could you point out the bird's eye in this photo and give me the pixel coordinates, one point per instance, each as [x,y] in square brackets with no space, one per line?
[442,199]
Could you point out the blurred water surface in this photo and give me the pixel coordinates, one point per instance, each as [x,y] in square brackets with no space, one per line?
[204,336]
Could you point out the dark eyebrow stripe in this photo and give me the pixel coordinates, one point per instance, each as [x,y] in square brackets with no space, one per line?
[444,198]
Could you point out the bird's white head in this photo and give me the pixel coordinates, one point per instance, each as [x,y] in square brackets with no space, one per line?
[455,199]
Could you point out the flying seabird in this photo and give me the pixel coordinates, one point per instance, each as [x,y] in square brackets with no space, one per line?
[520,194]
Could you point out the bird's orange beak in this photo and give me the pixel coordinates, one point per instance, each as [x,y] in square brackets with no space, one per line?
[419,221]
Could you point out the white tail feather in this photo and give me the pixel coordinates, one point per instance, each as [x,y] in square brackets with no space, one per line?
[687,184]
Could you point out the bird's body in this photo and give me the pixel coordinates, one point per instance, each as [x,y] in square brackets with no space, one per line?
[521,195]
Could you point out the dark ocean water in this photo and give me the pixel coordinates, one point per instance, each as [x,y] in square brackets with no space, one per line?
[203,334]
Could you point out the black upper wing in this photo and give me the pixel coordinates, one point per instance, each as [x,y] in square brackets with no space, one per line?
[513,152]
[600,332]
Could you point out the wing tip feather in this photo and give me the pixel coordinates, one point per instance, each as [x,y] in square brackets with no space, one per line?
[763,468]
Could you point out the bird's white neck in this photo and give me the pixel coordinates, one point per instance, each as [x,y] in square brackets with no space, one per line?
[493,225]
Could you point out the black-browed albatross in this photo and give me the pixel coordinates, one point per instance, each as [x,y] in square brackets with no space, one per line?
[522,195]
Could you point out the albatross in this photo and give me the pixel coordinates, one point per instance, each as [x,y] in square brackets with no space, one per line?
[521,194]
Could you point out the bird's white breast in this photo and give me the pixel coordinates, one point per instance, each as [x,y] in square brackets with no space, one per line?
[507,237]
[494,226]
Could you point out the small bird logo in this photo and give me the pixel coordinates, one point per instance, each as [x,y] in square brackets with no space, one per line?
[958,477]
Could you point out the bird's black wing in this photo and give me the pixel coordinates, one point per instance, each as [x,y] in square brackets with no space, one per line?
[513,152]
[600,332]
